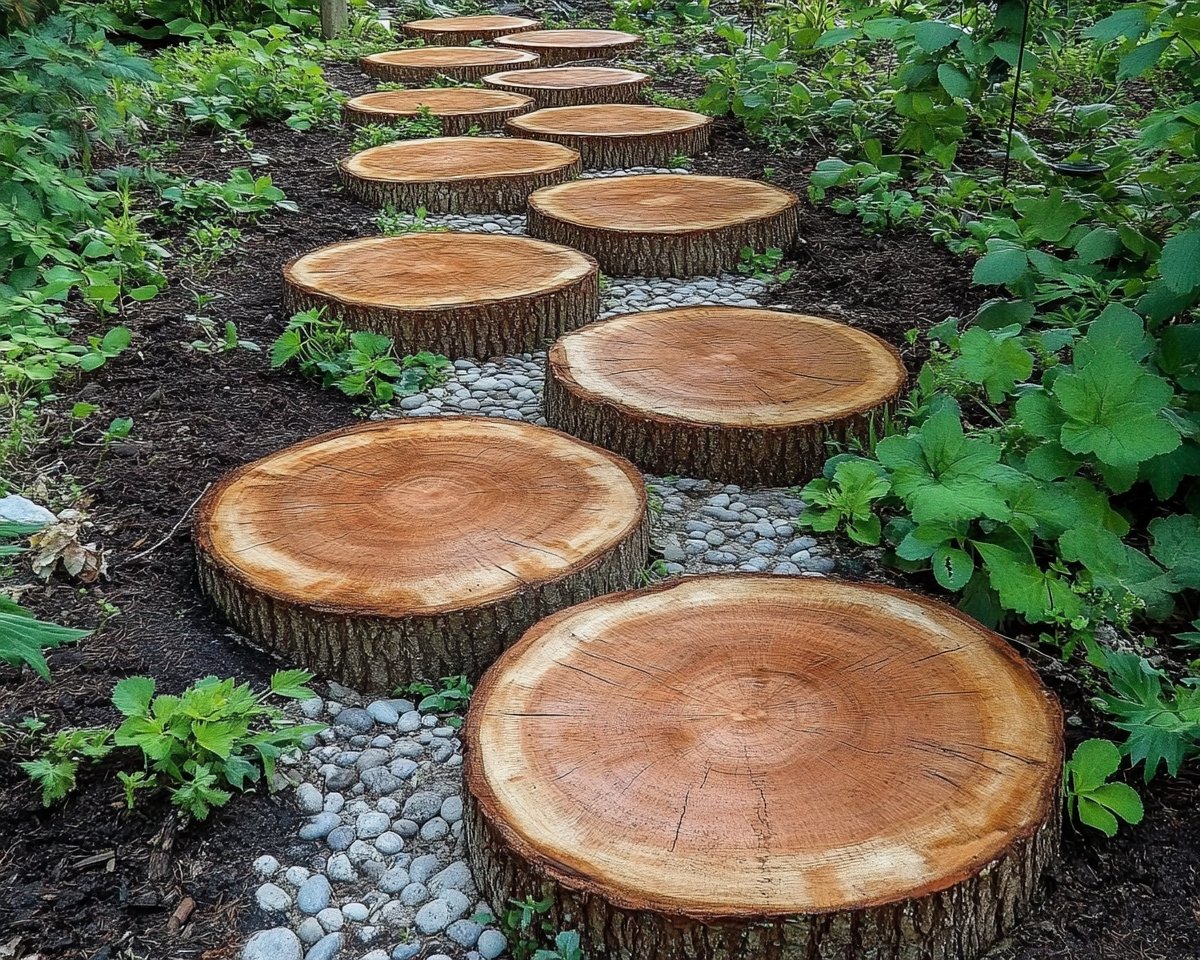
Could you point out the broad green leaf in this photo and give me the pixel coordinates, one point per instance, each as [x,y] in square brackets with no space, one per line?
[1037,595]
[1177,547]
[954,81]
[132,696]
[1179,264]
[291,684]
[1130,22]
[952,568]
[1141,58]
[1093,762]
[997,363]
[933,35]
[1004,263]
[1098,244]
[1097,817]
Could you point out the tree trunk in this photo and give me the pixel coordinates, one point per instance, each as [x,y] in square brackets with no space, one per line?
[557,47]
[735,394]
[422,64]
[409,549]
[457,174]
[619,135]
[461,31]
[459,294]
[334,18]
[458,108]
[765,768]
[573,86]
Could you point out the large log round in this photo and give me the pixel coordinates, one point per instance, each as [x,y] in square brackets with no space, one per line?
[572,86]
[564,46]
[457,174]
[460,31]
[619,135]
[735,394]
[410,549]
[665,225]
[459,294]
[765,768]
[458,108]
[422,64]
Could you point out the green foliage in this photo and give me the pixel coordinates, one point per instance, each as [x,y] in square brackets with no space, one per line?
[845,498]
[425,124]
[156,19]
[1090,797]
[449,697]
[764,265]
[393,222]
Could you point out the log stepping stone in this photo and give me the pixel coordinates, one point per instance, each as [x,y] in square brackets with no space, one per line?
[422,64]
[619,135]
[458,108]
[765,767]
[457,174]
[459,294]
[665,225]
[564,46]
[572,86]
[408,549]
[735,394]
[460,31]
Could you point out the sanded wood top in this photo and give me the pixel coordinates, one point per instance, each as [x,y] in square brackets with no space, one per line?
[440,101]
[611,120]
[661,203]
[432,271]
[442,159]
[406,517]
[563,78]
[757,746]
[581,40]
[449,57]
[734,366]
[486,25]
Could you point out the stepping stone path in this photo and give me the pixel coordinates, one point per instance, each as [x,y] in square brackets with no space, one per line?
[734,789]
[460,31]
[667,225]
[808,766]
[422,64]
[458,108]
[457,174]
[747,396]
[619,135]
[407,549]
[556,47]
[573,86]
[460,295]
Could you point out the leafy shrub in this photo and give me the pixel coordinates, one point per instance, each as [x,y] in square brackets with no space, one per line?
[1090,797]
[425,124]
[451,696]
[393,222]
[155,19]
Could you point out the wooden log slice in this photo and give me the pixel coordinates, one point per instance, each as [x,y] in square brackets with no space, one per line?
[735,394]
[619,135]
[572,86]
[460,31]
[422,64]
[459,294]
[564,46]
[765,768]
[665,225]
[457,174]
[458,108]
[409,549]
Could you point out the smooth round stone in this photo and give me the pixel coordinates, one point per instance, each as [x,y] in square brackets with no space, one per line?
[339,869]
[372,757]
[406,828]
[272,898]
[313,895]
[266,866]
[328,947]
[383,742]
[433,917]
[357,719]
[435,829]
[402,767]
[464,932]
[380,781]
[410,722]
[454,877]
[310,930]
[297,875]
[422,805]
[355,912]
[361,852]
[415,893]
[395,880]
[715,537]
[278,943]
[387,805]
[319,827]
[371,824]
[491,944]
[341,838]
[389,843]
[406,951]
[334,802]
[786,567]
[309,799]
[452,809]
[375,955]
[331,919]
[312,708]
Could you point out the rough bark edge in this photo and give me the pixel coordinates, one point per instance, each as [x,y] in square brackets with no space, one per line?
[453,124]
[466,72]
[463,38]
[513,325]
[626,253]
[554,56]
[621,150]
[627,91]
[503,193]
[960,921]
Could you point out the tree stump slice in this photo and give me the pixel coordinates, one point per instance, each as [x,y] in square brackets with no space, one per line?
[619,135]
[457,174]
[458,108]
[665,225]
[408,549]
[459,294]
[735,394]
[460,31]
[573,86]
[564,46]
[422,64]
[765,768]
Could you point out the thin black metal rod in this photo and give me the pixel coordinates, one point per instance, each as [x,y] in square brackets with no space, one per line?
[1012,113]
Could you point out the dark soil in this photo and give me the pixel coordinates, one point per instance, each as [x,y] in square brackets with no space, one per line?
[74,879]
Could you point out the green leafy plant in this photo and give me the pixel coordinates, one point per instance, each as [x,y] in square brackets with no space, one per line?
[425,124]
[1090,797]
[845,497]
[764,265]
[450,696]
[394,223]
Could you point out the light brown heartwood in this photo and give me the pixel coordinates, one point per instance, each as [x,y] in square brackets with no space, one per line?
[422,64]
[557,47]
[572,86]
[457,174]
[459,294]
[460,31]
[753,767]
[736,394]
[457,108]
[619,135]
[419,548]
[665,225]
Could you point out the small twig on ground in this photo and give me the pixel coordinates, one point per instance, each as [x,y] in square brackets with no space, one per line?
[171,532]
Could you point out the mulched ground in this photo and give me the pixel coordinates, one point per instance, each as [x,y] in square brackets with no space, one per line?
[74,879]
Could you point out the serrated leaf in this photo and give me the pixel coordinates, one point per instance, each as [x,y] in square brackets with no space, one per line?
[954,81]
[1177,547]
[1037,595]
[291,684]
[132,696]
[1179,264]
[1093,762]
[1004,263]
[994,362]
[286,347]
